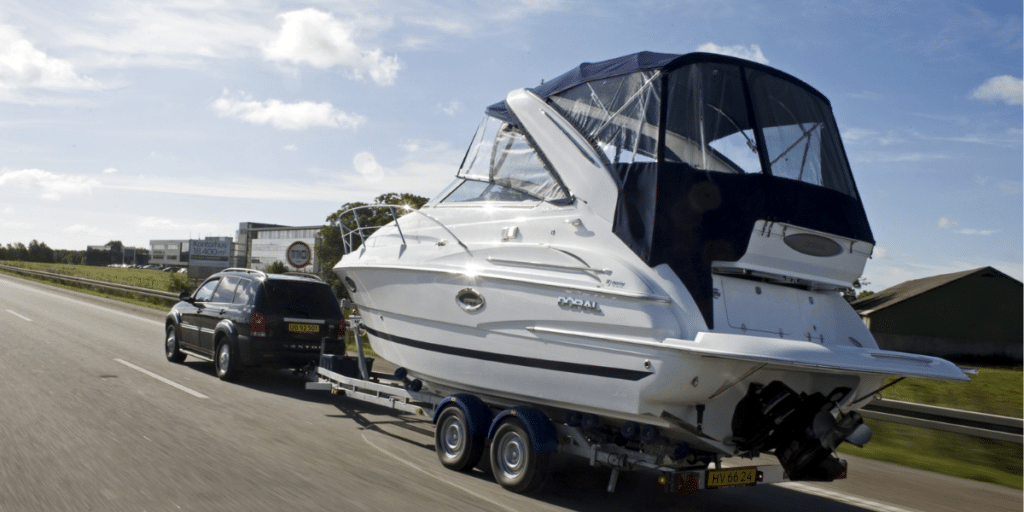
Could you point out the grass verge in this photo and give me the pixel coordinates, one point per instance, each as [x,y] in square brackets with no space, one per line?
[992,391]
[127,297]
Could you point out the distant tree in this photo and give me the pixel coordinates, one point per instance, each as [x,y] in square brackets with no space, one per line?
[358,225]
[277,267]
[39,252]
[852,294]
[17,252]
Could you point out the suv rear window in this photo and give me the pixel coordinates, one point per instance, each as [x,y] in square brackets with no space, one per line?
[302,299]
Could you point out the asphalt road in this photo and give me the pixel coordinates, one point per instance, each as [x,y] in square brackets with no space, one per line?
[92,417]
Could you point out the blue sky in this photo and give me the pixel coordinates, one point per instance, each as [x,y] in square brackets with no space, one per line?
[152,120]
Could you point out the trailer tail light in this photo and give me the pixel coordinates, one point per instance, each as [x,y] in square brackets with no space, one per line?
[257,325]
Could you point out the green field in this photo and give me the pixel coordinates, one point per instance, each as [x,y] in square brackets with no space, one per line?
[992,391]
[152,279]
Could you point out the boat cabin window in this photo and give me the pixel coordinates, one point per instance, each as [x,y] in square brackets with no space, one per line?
[618,114]
[799,133]
[502,165]
[707,125]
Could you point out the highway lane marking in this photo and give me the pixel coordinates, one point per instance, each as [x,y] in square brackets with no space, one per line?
[68,299]
[162,379]
[431,475]
[845,498]
[25,318]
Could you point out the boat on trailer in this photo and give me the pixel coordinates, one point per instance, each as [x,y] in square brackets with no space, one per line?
[649,250]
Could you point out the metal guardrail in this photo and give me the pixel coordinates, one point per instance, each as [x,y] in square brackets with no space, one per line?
[92,282]
[989,426]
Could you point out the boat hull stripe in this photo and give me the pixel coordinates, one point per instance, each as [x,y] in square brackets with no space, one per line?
[545,364]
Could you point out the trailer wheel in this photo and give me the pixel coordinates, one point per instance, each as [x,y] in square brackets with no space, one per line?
[226,361]
[171,350]
[455,448]
[516,465]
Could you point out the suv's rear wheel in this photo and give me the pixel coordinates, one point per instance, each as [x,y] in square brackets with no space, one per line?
[226,360]
[171,350]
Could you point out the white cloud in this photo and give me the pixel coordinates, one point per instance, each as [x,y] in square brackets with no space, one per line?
[1005,88]
[366,165]
[52,186]
[947,223]
[82,228]
[291,147]
[284,116]
[166,34]
[24,66]
[1010,188]
[982,232]
[109,170]
[451,108]
[317,38]
[752,53]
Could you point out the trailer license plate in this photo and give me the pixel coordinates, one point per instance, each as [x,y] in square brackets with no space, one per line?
[729,477]
[304,328]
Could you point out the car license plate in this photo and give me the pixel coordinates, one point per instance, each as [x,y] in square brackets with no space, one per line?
[304,328]
[731,476]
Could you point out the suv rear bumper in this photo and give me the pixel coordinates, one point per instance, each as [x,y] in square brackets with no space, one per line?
[283,351]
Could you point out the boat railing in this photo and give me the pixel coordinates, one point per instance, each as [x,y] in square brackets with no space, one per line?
[365,220]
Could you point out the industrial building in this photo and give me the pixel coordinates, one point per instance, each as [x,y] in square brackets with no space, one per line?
[255,245]
[976,313]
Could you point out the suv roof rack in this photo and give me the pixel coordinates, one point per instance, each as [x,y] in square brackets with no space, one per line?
[247,270]
[304,274]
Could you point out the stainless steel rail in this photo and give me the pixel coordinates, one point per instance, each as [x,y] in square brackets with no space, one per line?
[989,426]
[91,282]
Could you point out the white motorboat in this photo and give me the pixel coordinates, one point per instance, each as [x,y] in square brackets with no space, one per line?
[654,243]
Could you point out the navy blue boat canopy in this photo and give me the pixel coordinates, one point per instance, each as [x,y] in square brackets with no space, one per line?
[703,146]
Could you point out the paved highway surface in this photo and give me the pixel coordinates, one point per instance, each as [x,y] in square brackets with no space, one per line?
[92,417]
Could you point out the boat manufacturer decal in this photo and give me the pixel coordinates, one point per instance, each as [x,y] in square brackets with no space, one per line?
[544,364]
[583,305]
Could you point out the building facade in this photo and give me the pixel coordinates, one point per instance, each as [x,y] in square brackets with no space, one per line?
[259,245]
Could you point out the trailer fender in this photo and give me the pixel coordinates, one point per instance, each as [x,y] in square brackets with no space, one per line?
[542,433]
[478,416]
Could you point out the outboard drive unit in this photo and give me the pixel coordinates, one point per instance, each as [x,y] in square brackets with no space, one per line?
[802,430]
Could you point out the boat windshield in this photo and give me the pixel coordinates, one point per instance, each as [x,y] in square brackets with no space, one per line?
[502,165]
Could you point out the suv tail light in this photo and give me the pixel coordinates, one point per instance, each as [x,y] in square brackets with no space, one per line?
[342,327]
[257,324]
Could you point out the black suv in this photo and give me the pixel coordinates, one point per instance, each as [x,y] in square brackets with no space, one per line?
[243,317]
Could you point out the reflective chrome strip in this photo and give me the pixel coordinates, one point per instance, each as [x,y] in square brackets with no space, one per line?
[549,265]
[304,321]
[547,284]
[594,336]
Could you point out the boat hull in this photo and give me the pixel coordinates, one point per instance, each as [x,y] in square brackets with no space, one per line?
[621,365]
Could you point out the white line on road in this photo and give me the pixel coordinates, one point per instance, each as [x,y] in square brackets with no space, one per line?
[425,472]
[6,282]
[162,379]
[25,318]
[845,498]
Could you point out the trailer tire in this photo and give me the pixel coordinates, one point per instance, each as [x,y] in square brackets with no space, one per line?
[171,350]
[516,465]
[225,360]
[456,449]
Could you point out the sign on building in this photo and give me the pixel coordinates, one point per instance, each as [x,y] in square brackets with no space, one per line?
[209,253]
[299,254]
